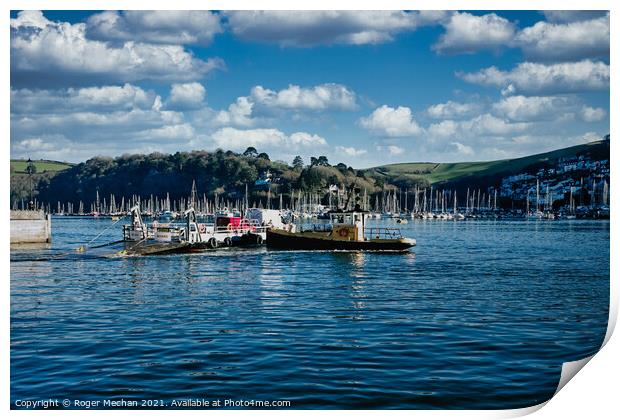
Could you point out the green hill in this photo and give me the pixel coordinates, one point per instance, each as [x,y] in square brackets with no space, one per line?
[226,174]
[438,173]
[19,166]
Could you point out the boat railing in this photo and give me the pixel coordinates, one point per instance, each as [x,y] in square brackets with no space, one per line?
[382,233]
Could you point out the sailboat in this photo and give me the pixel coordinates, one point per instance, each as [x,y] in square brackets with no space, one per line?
[537,214]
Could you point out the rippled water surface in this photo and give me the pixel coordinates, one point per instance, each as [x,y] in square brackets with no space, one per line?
[481,315]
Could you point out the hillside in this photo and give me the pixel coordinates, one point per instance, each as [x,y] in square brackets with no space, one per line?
[457,173]
[227,174]
[19,166]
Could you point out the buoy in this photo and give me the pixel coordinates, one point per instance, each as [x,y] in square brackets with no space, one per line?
[212,243]
[227,241]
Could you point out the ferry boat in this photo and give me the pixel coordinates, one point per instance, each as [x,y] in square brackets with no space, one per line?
[228,229]
[346,231]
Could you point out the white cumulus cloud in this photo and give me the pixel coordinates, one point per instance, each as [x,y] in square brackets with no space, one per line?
[186,95]
[590,114]
[485,125]
[350,151]
[167,132]
[320,97]
[60,53]
[236,139]
[462,149]
[570,41]
[394,150]
[530,108]
[452,109]
[467,33]
[239,113]
[95,98]
[307,28]
[536,78]
[443,129]
[391,122]
[155,26]
[490,125]
[572,15]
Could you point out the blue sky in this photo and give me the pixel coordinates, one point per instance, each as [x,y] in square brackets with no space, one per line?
[364,88]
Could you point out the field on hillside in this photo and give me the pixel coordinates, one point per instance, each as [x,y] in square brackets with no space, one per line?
[19,165]
[445,172]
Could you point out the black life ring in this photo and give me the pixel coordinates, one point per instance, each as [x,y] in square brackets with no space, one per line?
[259,240]
[227,241]
[212,243]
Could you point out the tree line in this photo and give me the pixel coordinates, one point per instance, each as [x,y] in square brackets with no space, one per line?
[225,173]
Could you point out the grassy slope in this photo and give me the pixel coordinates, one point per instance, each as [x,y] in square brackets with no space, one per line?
[19,165]
[440,172]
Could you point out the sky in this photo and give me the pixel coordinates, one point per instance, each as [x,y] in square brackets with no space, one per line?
[365,88]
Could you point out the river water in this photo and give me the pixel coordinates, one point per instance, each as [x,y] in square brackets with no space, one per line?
[481,314]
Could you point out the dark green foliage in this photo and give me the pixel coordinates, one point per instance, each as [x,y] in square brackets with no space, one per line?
[322,161]
[298,162]
[250,152]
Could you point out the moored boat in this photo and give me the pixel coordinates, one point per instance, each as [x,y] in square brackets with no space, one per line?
[346,231]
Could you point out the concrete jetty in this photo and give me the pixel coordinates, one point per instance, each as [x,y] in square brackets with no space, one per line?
[30,226]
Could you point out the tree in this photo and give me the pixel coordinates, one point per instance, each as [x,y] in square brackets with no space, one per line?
[322,161]
[341,167]
[313,161]
[263,156]
[250,152]
[298,162]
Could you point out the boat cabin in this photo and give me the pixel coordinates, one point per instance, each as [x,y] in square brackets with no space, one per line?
[348,226]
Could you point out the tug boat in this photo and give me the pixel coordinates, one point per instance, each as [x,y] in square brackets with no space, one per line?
[346,231]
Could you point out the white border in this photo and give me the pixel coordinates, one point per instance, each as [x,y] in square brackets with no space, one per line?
[592,394]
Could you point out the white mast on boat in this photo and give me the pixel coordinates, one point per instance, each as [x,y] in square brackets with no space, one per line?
[467,201]
[537,195]
[454,211]
[527,203]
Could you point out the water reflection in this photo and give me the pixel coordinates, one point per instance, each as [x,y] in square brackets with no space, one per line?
[271,283]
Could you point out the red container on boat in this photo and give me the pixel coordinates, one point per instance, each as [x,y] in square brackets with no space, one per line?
[228,221]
